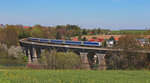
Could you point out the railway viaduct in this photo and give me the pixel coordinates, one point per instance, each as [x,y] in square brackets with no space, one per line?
[33,50]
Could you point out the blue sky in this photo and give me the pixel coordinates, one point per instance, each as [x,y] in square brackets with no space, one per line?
[107,14]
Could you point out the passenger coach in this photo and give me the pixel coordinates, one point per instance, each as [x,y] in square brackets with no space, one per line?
[66,42]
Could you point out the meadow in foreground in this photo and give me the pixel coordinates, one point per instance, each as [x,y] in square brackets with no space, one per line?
[73,76]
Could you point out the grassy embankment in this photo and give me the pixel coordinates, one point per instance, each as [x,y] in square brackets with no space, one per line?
[73,76]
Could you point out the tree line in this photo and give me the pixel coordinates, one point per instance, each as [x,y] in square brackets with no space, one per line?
[12,33]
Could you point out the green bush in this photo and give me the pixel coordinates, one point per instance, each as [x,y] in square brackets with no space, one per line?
[60,60]
[66,60]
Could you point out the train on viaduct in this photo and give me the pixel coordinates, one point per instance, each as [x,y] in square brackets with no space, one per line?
[33,48]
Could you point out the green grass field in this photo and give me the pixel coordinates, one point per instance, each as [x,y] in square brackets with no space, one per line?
[73,76]
[127,31]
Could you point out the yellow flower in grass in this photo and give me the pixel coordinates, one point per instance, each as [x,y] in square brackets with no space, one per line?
[59,81]
[11,76]
[24,75]
[50,80]
[72,80]
[35,79]
[92,81]
[6,73]
[16,76]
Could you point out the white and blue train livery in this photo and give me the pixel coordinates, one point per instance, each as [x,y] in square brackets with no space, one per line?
[66,42]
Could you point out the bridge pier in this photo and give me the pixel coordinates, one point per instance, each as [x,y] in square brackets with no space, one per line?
[35,60]
[28,54]
[84,61]
[23,50]
[38,52]
[101,61]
